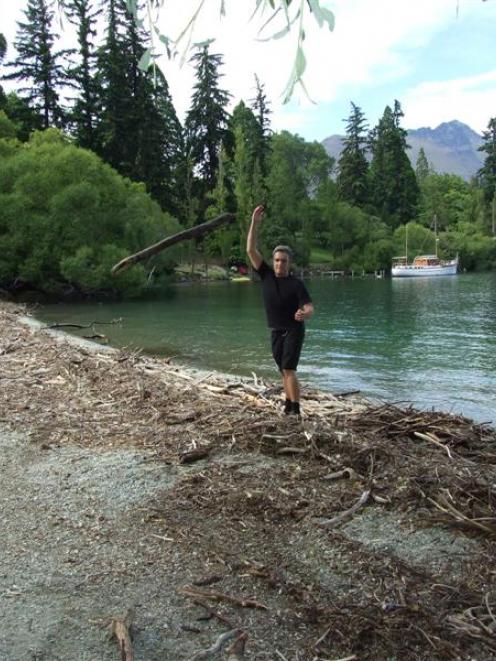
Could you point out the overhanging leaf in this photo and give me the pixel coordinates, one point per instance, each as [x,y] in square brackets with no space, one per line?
[328,18]
[301,63]
[145,60]
[132,7]
[316,11]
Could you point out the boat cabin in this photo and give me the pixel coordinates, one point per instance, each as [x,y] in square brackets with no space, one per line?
[426,260]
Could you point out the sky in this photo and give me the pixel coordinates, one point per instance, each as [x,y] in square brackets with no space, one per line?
[437,57]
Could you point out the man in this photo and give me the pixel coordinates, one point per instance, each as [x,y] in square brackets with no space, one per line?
[287,305]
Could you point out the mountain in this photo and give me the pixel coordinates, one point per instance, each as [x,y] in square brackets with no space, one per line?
[451,147]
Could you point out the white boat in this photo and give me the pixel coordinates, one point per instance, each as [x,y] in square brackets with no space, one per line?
[422,265]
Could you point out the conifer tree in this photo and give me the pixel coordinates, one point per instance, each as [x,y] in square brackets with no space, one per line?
[422,169]
[116,130]
[37,65]
[261,110]
[3,47]
[394,190]
[3,50]
[487,174]
[139,132]
[206,121]
[353,165]
[84,115]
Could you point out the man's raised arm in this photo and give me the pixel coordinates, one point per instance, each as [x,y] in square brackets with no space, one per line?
[251,240]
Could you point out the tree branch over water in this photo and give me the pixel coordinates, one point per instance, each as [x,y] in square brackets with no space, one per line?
[191,233]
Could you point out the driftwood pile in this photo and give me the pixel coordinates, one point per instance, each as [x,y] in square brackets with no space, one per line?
[273,505]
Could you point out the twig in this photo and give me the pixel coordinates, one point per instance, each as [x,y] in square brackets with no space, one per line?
[329,523]
[428,437]
[217,646]
[220,596]
[212,613]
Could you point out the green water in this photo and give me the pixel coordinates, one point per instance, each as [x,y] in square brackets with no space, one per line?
[428,341]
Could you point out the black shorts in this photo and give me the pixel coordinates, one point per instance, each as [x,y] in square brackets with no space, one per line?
[286,346]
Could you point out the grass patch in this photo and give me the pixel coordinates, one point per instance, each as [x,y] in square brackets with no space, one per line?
[321,256]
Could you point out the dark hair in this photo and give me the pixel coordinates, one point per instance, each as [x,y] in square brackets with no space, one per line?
[285,249]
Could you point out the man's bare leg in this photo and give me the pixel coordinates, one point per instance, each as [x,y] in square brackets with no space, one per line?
[291,385]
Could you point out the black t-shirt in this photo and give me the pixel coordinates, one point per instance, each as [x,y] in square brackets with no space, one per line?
[282,297]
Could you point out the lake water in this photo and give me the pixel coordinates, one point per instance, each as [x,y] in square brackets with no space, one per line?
[428,341]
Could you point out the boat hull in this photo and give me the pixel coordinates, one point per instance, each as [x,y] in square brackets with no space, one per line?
[411,271]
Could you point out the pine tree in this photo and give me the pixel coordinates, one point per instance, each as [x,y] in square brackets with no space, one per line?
[3,47]
[206,121]
[487,174]
[394,190]
[353,165]
[37,64]
[422,169]
[139,133]
[116,133]
[261,109]
[3,50]
[86,108]
[160,155]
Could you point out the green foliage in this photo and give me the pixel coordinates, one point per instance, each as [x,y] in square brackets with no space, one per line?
[65,217]
[7,127]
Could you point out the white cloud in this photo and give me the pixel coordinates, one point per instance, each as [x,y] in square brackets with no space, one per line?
[473,99]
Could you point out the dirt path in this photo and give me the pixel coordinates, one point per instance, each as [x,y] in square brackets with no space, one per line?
[102,509]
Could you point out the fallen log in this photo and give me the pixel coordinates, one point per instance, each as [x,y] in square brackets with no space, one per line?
[191,233]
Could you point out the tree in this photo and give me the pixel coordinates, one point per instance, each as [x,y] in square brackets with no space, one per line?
[261,110]
[86,108]
[24,117]
[394,190]
[487,174]
[3,47]
[353,165]
[422,169]
[66,217]
[3,50]
[37,64]
[207,118]
[139,132]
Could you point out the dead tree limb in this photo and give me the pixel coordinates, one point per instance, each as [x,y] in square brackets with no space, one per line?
[191,233]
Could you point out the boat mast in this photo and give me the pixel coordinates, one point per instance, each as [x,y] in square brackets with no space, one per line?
[406,243]
[435,231]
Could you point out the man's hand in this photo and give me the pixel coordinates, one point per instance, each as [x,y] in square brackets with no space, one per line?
[304,312]
[257,214]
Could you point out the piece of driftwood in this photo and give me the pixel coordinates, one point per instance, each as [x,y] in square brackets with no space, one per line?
[212,651]
[194,455]
[120,629]
[220,596]
[191,233]
[329,523]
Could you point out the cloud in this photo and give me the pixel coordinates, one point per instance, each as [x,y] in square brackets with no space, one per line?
[473,99]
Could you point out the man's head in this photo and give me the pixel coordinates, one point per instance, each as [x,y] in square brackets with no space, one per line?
[281,258]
